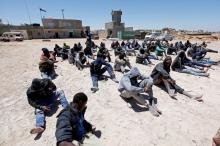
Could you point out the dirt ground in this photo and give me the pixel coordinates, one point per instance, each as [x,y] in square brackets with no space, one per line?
[184,122]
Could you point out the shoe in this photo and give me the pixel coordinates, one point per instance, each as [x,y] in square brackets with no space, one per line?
[94,89]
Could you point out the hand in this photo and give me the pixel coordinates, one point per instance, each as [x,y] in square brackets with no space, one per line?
[173,81]
[147,89]
[45,108]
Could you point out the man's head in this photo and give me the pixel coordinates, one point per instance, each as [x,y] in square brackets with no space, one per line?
[79,101]
[134,73]
[81,54]
[122,56]
[45,51]
[142,51]
[102,45]
[167,61]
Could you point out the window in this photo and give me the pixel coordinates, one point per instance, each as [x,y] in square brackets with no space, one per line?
[66,24]
[50,24]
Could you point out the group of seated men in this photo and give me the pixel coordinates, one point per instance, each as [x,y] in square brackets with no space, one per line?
[71,125]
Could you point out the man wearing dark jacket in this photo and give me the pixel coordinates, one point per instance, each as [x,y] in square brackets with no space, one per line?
[71,124]
[161,74]
[42,95]
[97,71]
[47,70]
[103,52]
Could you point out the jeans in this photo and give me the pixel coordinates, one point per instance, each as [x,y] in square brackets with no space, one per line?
[192,71]
[50,102]
[46,75]
[152,57]
[96,77]
[206,61]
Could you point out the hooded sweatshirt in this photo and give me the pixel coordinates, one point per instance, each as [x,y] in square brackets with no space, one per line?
[126,82]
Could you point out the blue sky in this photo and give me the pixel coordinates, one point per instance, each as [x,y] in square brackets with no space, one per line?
[152,14]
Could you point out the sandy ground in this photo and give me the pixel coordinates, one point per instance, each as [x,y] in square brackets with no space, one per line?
[184,122]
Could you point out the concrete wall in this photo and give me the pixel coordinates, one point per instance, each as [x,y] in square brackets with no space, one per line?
[62,23]
[55,33]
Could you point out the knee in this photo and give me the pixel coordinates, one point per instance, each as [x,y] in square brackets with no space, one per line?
[148,82]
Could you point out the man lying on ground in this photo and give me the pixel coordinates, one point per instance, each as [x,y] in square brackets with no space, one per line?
[180,65]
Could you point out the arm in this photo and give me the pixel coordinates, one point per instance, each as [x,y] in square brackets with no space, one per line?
[127,86]
[118,61]
[34,104]
[64,130]
[164,73]
[109,58]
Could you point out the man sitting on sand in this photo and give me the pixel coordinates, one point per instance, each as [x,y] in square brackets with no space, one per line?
[171,49]
[57,50]
[128,49]
[103,52]
[43,96]
[97,71]
[47,55]
[71,56]
[133,84]
[121,62]
[161,75]
[160,51]
[143,57]
[47,70]
[88,52]
[71,124]
[81,61]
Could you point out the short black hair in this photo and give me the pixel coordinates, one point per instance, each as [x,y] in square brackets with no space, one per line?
[80,97]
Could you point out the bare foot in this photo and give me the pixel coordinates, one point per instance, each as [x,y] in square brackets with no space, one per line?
[155,107]
[172,93]
[206,69]
[153,111]
[198,98]
[37,130]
